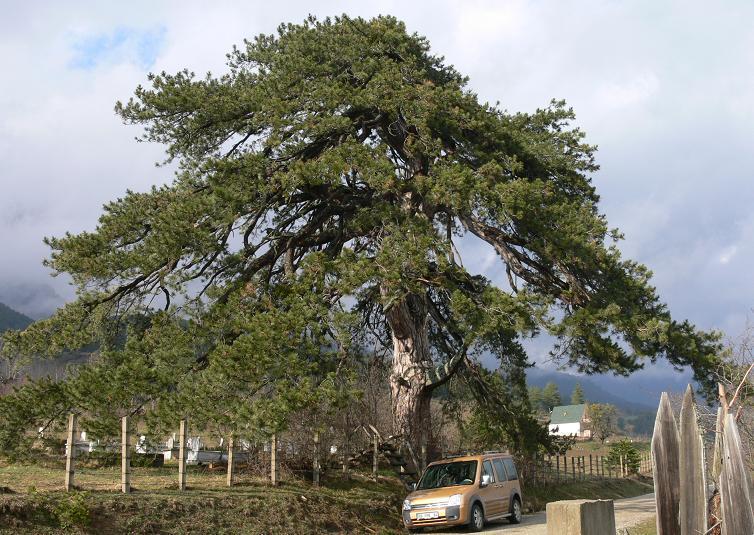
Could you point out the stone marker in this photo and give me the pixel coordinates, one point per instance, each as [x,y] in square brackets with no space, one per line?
[580,517]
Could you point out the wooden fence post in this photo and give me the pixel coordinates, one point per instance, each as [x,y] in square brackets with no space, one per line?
[591,468]
[346,475]
[557,471]
[182,454]
[231,461]
[735,500]
[573,468]
[274,461]
[620,465]
[423,454]
[315,467]
[125,458]
[693,486]
[70,452]
[667,480]
[375,455]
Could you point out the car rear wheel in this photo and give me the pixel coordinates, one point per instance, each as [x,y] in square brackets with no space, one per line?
[476,518]
[516,515]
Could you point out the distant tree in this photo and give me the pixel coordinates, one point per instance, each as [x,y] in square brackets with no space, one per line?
[624,452]
[577,396]
[603,417]
[561,444]
[535,398]
[551,396]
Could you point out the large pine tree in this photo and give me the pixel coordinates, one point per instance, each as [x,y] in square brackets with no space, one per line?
[322,184]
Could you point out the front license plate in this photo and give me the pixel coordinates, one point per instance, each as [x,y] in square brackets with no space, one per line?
[427,516]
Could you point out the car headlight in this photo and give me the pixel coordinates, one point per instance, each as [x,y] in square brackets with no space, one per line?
[454,500]
[406,505]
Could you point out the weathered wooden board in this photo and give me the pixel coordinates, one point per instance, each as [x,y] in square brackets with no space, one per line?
[665,464]
[735,500]
[717,456]
[693,500]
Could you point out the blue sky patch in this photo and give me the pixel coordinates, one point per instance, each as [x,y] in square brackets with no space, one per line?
[122,45]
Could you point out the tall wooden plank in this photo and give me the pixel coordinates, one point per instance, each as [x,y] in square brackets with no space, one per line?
[735,499]
[125,457]
[665,464]
[70,452]
[182,455]
[693,498]
[717,456]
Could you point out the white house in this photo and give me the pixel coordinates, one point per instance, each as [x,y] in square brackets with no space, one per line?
[571,420]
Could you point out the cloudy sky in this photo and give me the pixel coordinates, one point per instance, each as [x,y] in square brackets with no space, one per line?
[664,88]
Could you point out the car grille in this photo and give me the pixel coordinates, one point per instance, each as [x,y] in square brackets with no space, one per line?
[428,505]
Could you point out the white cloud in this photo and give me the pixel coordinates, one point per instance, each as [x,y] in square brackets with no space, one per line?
[634,91]
[727,254]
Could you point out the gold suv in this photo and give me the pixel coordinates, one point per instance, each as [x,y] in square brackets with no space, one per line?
[471,490]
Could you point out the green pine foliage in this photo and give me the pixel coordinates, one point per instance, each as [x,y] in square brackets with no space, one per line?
[626,451]
[322,181]
[551,396]
[577,396]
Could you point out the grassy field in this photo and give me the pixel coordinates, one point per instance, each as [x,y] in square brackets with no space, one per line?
[648,527]
[31,501]
[358,506]
[536,498]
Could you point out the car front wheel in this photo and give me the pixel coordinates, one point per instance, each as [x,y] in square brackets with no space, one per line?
[476,520]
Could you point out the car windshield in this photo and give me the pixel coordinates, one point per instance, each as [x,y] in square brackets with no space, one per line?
[448,475]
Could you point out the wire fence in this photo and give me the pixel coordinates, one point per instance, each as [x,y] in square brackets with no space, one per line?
[553,469]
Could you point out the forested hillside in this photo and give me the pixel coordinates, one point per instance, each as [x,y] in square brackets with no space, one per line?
[10,319]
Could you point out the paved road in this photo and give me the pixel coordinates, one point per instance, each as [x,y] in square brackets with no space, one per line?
[628,512]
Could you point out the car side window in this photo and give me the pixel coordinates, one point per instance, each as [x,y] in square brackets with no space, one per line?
[499,470]
[487,469]
[510,468]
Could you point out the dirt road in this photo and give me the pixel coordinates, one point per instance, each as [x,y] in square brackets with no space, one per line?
[628,512]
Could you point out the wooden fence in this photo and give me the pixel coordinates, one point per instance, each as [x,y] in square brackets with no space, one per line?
[563,468]
[680,473]
[275,453]
[549,469]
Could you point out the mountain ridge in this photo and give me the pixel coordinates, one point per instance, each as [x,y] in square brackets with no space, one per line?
[638,392]
[12,319]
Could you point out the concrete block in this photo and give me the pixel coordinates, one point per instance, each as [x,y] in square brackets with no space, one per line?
[581,517]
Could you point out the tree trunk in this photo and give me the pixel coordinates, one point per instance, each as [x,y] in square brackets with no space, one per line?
[412,362]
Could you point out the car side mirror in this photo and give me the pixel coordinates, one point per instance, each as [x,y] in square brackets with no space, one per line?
[413,486]
[485,480]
